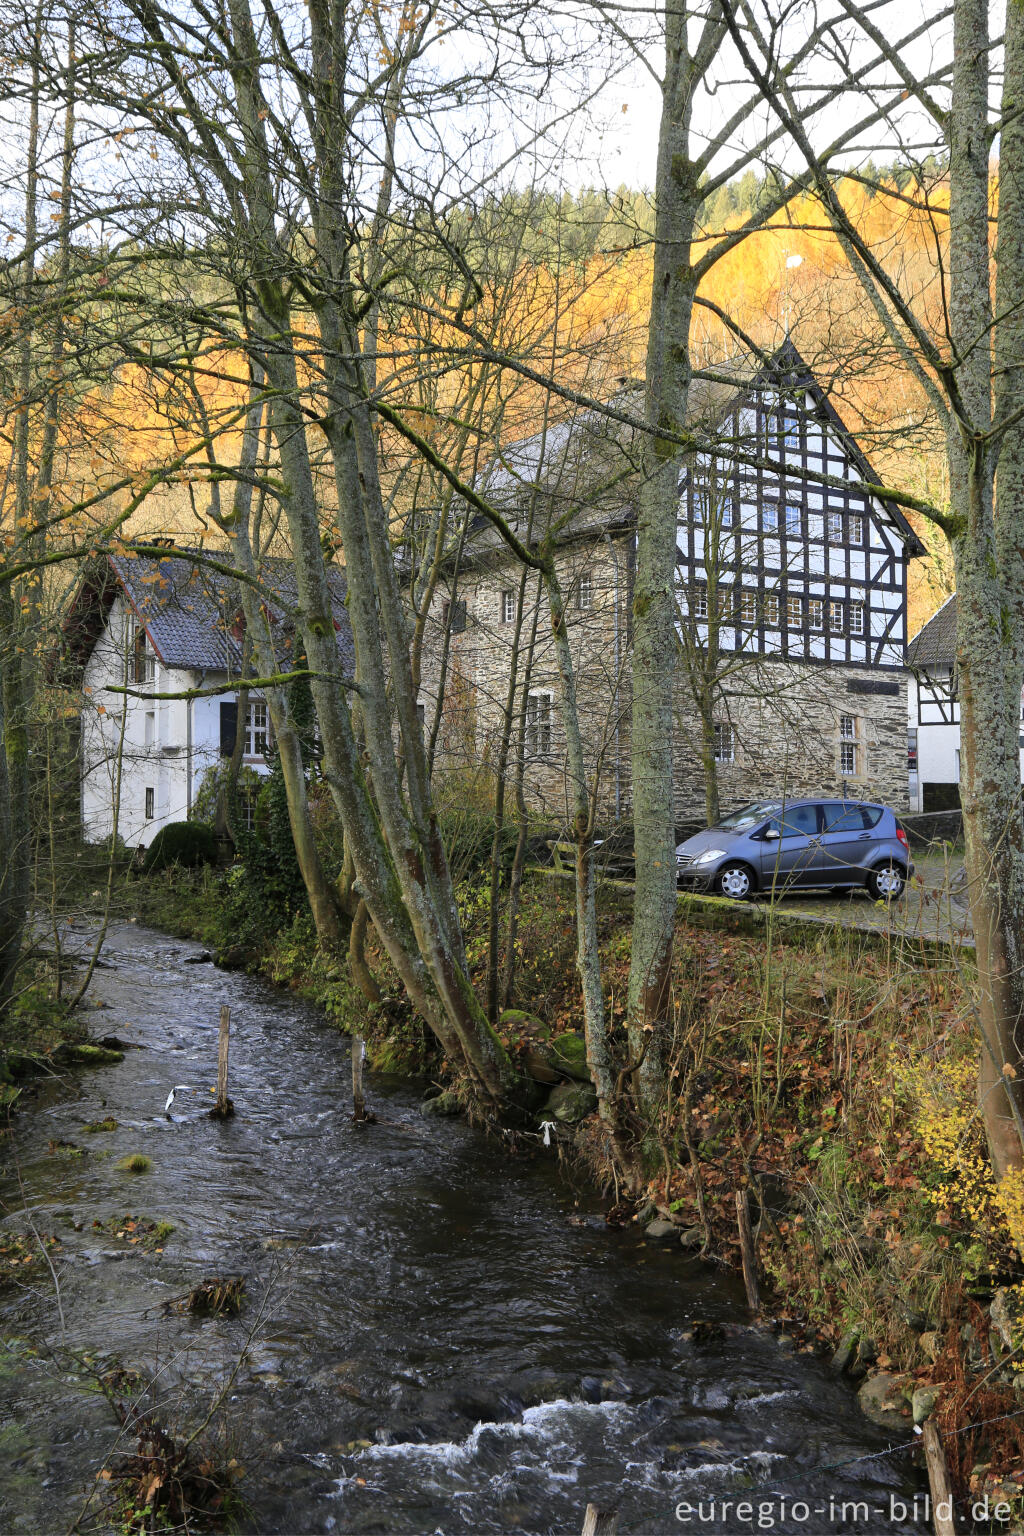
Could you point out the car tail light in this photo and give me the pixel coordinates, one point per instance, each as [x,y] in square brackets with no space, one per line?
[903,838]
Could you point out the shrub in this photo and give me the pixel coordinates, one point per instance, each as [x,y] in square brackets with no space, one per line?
[182,842]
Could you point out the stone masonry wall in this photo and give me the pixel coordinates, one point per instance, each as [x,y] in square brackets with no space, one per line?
[785,716]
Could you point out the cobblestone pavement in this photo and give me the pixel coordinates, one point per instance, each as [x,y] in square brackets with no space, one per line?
[933,907]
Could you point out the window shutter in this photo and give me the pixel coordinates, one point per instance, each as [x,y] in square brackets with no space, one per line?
[458,613]
[228,728]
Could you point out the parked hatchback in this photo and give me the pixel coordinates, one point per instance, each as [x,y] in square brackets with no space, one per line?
[779,846]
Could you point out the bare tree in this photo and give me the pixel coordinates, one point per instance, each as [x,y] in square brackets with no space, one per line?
[969,367]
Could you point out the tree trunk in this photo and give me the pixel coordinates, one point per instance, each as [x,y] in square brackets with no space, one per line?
[988,564]
[654,607]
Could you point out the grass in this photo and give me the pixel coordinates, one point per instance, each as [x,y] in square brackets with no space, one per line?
[136,1162]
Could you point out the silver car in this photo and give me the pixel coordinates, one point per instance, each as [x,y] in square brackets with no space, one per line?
[779,846]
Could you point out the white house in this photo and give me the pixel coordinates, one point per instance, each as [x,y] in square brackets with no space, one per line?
[165,627]
[934,714]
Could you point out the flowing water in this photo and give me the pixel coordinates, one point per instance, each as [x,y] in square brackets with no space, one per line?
[411,1284]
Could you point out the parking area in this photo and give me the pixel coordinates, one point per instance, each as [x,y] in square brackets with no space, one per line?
[934,906]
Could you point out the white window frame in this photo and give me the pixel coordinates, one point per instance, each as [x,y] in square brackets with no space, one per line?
[538,722]
[700,601]
[508,606]
[857,619]
[848,728]
[848,751]
[794,606]
[836,617]
[834,527]
[257,729]
[771,610]
[143,661]
[724,748]
[585,592]
[770,517]
[748,607]
[149,803]
[794,520]
[815,613]
[855,524]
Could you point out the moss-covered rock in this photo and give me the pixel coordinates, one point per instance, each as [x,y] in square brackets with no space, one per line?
[568,1053]
[84,1054]
[569,1103]
[516,1021]
[444,1105]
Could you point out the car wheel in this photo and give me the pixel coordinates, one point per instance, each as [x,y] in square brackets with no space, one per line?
[886,883]
[735,880]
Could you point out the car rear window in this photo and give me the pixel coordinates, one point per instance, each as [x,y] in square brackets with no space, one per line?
[851,818]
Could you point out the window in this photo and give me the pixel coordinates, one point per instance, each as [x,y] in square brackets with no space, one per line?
[815,612]
[150,728]
[794,521]
[257,729]
[726,598]
[789,424]
[143,661]
[794,611]
[856,618]
[246,801]
[770,517]
[538,724]
[796,821]
[835,618]
[856,528]
[724,748]
[150,804]
[748,607]
[421,715]
[846,818]
[508,606]
[771,610]
[835,527]
[584,591]
[453,616]
[849,731]
[700,602]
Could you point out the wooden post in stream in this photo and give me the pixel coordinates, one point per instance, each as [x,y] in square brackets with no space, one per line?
[747,1249]
[599,1522]
[358,1102]
[943,1523]
[223,1108]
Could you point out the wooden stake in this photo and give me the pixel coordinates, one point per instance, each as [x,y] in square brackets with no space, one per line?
[598,1522]
[358,1102]
[747,1249]
[223,1107]
[943,1523]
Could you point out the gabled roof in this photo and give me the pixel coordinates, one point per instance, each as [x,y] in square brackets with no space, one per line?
[935,643]
[190,612]
[788,372]
[590,459]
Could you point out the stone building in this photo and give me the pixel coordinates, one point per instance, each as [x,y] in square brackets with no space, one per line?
[791,593]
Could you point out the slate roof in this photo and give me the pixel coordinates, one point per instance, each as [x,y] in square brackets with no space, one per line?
[935,643]
[594,459]
[190,612]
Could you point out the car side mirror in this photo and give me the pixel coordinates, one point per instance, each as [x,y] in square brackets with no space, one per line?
[771,834]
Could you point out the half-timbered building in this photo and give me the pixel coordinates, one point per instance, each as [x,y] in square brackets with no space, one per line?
[791,582]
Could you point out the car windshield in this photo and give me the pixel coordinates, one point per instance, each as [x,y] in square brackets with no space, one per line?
[749,816]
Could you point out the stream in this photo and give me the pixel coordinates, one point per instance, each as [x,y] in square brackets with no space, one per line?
[411,1285]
